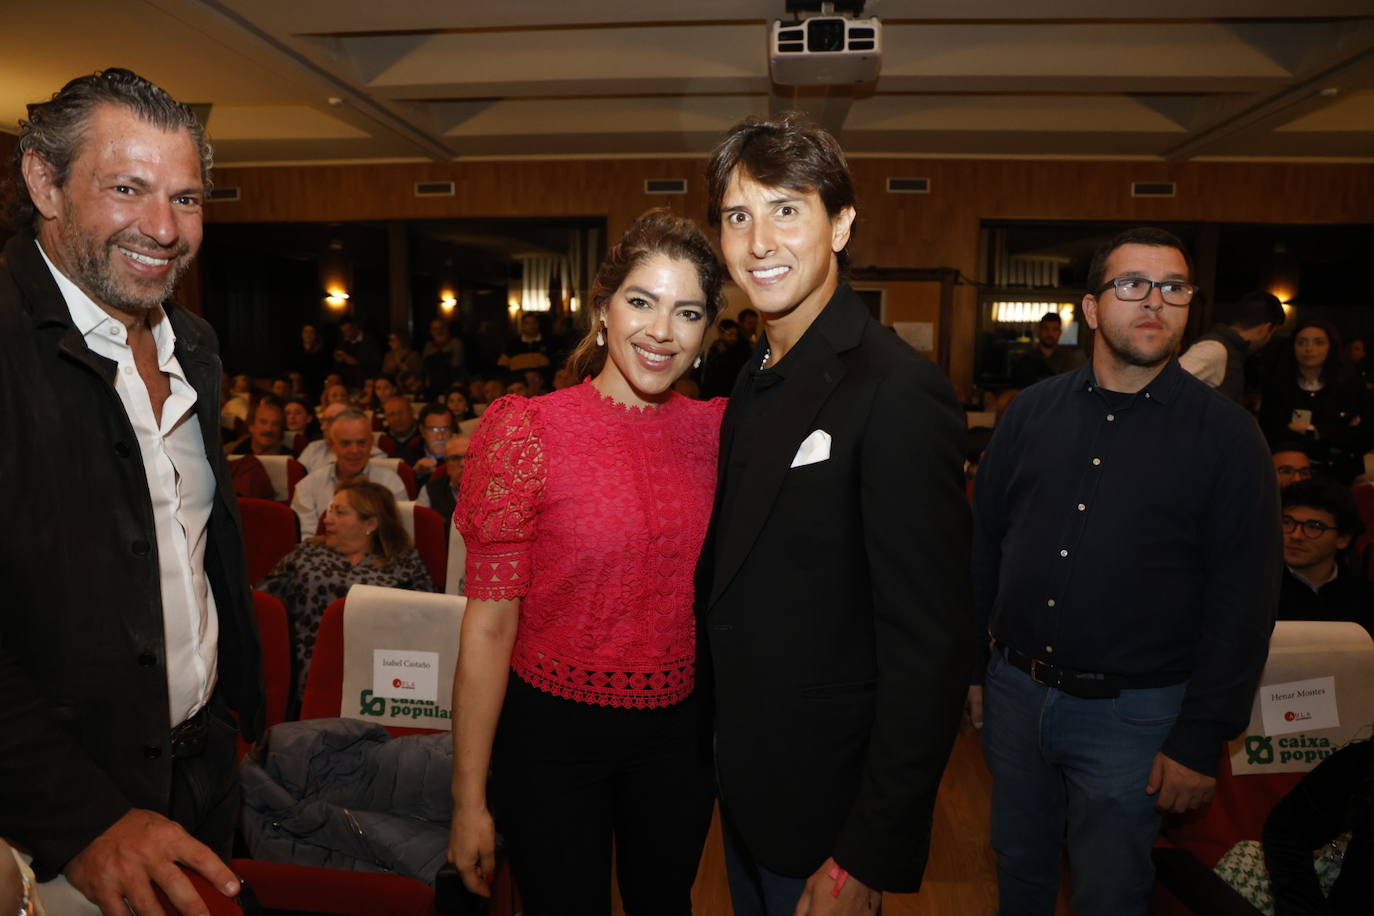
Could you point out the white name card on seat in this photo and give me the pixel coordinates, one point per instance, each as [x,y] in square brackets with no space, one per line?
[1315,696]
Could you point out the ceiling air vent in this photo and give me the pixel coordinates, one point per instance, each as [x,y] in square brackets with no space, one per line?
[433,189]
[1152,189]
[665,186]
[219,194]
[908,186]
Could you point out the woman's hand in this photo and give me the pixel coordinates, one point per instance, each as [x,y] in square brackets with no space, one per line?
[472,848]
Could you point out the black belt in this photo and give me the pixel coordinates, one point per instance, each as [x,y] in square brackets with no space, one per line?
[188,738]
[1087,685]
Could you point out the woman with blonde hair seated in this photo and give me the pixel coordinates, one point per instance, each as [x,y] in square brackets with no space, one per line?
[364,543]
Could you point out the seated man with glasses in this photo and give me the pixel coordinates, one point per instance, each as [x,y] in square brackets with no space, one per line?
[441,493]
[436,425]
[1320,520]
[1291,463]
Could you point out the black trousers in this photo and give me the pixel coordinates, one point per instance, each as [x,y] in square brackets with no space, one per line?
[205,788]
[570,778]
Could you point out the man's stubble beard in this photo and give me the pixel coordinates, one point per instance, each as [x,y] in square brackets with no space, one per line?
[93,268]
[1131,355]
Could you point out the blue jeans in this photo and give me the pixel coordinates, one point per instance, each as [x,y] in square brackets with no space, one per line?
[1069,768]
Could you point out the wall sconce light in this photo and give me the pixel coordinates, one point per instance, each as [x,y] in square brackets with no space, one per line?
[573,304]
[448,301]
[336,299]
[1030,312]
[513,305]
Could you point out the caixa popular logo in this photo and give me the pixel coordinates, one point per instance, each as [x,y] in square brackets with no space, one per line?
[402,685]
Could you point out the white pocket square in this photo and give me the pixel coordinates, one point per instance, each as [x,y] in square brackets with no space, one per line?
[815,448]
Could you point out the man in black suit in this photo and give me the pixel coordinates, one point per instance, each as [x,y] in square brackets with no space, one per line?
[832,589]
[126,631]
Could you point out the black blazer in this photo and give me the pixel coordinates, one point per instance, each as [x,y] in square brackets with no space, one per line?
[84,731]
[836,607]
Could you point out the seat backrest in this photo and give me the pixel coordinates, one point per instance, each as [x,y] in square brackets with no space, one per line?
[456,583]
[270,531]
[1316,670]
[401,470]
[285,472]
[373,647]
[276,655]
[426,530]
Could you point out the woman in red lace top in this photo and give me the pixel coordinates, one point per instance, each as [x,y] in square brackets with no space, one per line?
[583,512]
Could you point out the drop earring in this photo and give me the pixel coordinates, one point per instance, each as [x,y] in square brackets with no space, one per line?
[696,364]
[600,338]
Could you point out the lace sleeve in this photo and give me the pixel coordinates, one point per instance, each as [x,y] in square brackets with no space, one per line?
[498,500]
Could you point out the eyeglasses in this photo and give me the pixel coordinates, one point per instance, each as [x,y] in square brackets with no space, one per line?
[439,429]
[1134,289]
[1287,471]
[1311,529]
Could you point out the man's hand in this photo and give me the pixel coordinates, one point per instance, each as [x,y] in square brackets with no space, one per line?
[1179,788]
[818,897]
[973,710]
[425,465]
[139,850]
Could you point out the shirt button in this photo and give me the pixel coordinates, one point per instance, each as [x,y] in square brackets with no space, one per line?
[114,331]
[1081,507]
[140,548]
[1050,602]
[1111,417]
[152,751]
[1096,462]
[1064,553]
[1049,648]
[1147,394]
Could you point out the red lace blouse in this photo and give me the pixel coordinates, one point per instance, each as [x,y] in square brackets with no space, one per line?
[593,514]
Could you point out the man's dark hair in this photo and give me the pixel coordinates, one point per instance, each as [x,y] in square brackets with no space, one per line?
[432,409]
[789,152]
[1052,317]
[1256,308]
[55,130]
[1141,235]
[728,324]
[269,400]
[749,312]
[1289,445]
[1327,496]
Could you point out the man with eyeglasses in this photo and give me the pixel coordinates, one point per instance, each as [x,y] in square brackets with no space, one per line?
[1320,520]
[1126,566]
[1291,463]
[436,425]
[441,493]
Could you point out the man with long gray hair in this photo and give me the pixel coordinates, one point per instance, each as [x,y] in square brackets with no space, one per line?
[127,634]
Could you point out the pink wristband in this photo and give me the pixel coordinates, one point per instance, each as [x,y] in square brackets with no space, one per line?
[839,876]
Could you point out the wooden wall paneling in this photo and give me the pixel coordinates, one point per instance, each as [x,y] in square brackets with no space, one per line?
[939,229]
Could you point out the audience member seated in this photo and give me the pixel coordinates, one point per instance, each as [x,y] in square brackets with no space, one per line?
[265,432]
[441,493]
[350,439]
[302,427]
[436,425]
[1312,397]
[336,393]
[281,387]
[528,349]
[412,385]
[320,452]
[384,387]
[535,383]
[233,414]
[364,542]
[748,327]
[1218,357]
[400,431]
[1320,521]
[399,357]
[356,357]
[456,400]
[1046,357]
[1291,463]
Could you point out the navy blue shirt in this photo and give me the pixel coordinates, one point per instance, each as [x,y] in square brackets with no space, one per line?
[1134,535]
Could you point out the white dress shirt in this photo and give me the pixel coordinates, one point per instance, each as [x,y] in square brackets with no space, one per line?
[314,493]
[181,485]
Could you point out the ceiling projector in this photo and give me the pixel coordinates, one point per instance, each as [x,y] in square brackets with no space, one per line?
[825,51]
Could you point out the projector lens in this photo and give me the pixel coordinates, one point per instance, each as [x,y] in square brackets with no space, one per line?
[825,35]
